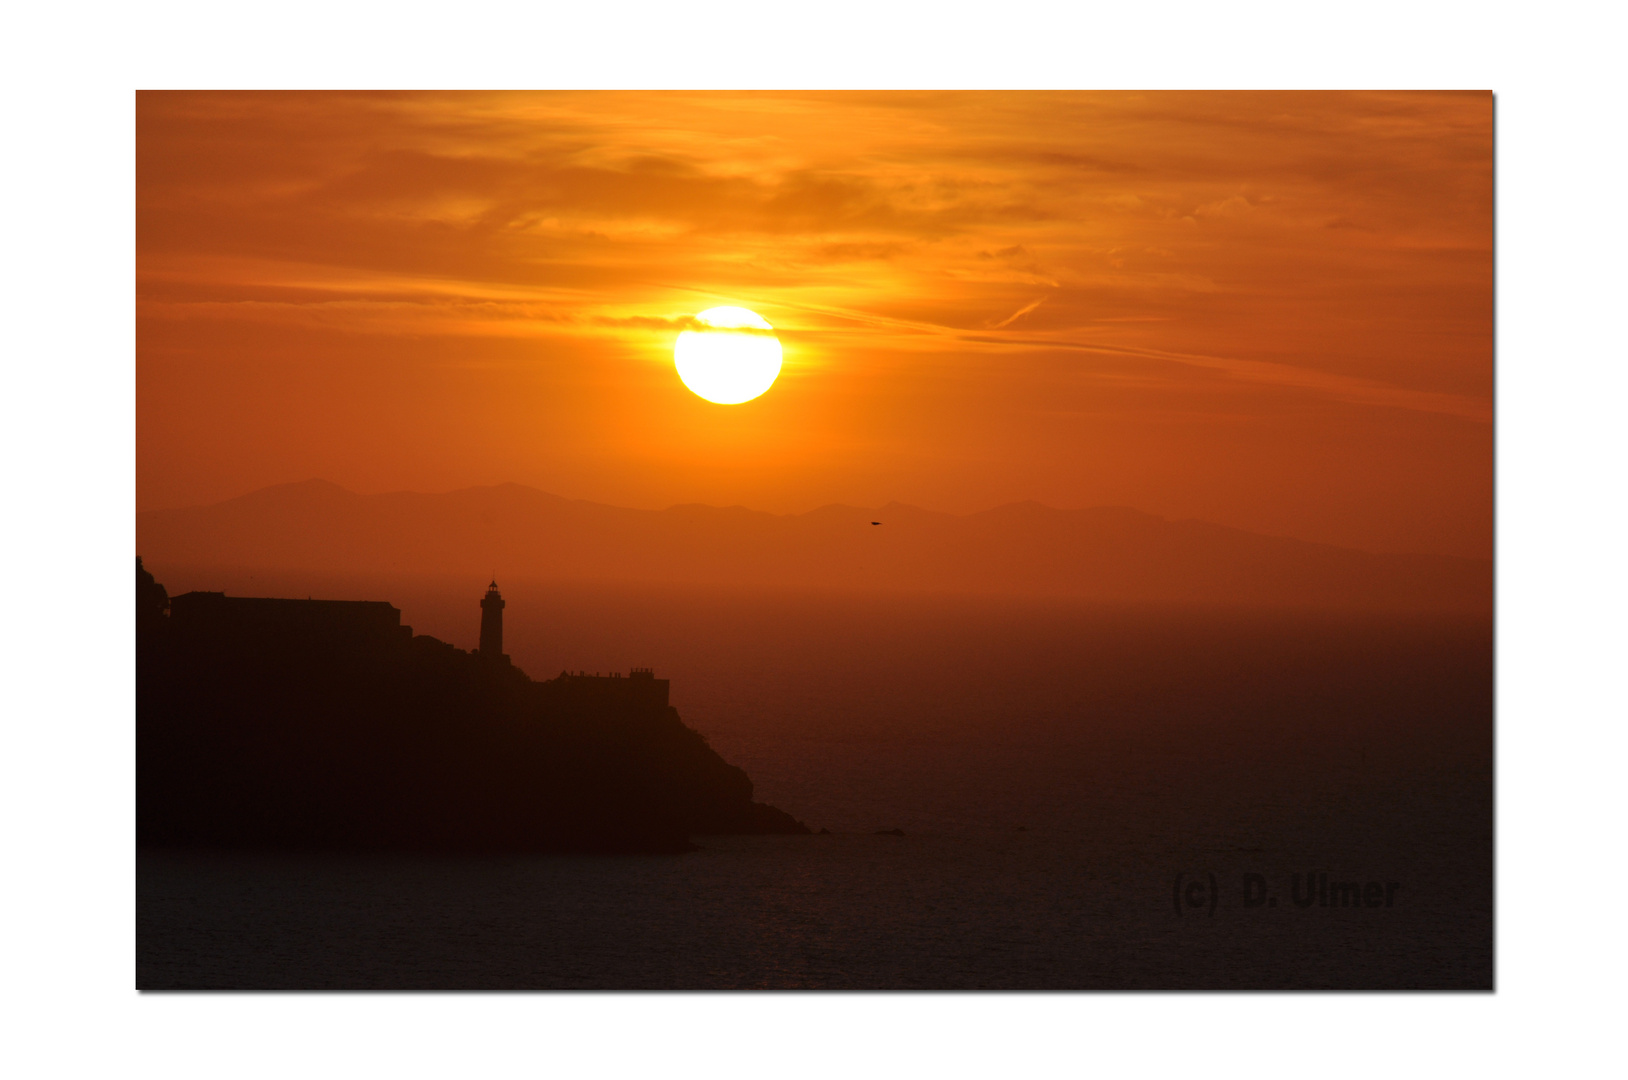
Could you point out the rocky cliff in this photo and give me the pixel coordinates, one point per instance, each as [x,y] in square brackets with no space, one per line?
[393,741]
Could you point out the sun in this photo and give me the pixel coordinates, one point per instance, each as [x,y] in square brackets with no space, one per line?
[728,355]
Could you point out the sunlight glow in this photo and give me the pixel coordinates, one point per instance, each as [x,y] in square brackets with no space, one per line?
[729,355]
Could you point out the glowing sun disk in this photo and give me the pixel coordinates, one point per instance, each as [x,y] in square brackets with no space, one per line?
[729,355]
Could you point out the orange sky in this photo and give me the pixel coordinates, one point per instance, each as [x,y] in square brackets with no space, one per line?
[1268,310]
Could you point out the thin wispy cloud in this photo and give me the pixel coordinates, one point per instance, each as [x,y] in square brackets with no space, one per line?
[1018,314]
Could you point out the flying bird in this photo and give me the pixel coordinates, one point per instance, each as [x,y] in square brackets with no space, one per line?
[876,523]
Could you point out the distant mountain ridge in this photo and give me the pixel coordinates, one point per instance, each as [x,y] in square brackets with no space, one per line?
[1112,554]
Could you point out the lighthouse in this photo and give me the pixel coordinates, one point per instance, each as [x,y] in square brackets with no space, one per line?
[491,624]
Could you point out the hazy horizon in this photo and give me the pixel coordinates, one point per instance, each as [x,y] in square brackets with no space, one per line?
[659,507]
[1112,554]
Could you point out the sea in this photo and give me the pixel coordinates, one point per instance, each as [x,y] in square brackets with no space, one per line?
[1008,794]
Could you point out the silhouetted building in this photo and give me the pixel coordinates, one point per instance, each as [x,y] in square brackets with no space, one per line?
[322,623]
[491,624]
[640,686]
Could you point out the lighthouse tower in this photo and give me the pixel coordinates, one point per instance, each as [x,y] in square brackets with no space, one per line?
[491,624]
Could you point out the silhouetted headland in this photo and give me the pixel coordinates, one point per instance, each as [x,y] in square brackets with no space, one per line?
[323,723]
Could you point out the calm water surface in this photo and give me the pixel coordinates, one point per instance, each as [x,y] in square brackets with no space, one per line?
[1053,770]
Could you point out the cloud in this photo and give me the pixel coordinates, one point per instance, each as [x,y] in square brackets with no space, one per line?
[884,218]
[1335,386]
[1018,314]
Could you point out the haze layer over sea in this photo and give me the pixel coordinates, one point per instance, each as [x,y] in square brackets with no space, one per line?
[1085,793]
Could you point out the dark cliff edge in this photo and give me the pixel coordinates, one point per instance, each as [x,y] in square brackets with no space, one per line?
[334,738]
